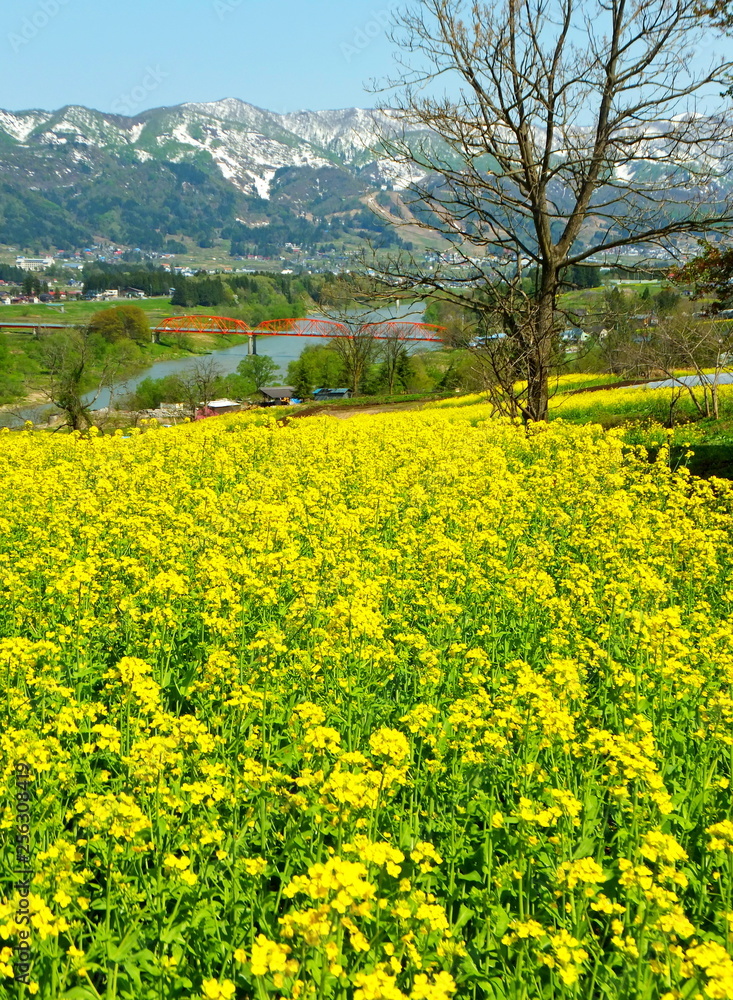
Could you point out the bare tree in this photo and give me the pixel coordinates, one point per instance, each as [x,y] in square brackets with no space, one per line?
[566,128]
[196,387]
[357,351]
[348,302]
[73,371]
[394,350]
[689,354]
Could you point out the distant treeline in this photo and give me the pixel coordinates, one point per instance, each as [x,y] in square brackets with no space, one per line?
[251,297]
[254,297]
[583,276]
[8,272]
[652,272]
[151,279]
[268,241]
[206,290]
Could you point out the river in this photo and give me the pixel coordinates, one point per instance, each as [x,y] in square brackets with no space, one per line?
[282,350]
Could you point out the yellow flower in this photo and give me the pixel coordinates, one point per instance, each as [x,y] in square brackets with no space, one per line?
[322,738]
[522,930]
[268,956]
[425,855]
[442,987]
[212,989]
[390,743]
[377,985]
[585,870]
[380,854]
[721,836]
[658,846]
[254,866]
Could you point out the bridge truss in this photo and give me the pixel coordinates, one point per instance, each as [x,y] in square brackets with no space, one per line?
[403,330]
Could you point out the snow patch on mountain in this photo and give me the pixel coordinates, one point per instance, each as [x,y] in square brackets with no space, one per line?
[232,110]
[400,175]
[182,135]
[262,184]
[350,133]
[54,139]
[19,126]
[247,144]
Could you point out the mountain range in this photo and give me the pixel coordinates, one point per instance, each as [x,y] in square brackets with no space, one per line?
[204,171]
[228,170]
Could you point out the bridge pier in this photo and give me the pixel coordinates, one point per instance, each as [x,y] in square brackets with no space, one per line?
[252,344]
[156,336]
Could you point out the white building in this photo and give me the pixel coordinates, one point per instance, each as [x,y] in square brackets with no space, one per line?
[33,263]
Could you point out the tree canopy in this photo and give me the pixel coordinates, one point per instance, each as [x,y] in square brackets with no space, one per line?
[538,134]
[126,322]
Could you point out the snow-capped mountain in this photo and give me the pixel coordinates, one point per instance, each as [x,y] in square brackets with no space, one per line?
[229,169]
[247,144]
[194,170]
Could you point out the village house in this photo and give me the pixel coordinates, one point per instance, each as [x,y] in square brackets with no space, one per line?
[217,407]
[277,395]
[321,395]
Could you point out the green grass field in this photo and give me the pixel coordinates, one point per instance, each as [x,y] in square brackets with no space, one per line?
[82,312]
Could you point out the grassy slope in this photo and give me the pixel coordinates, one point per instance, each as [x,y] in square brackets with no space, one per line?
[81,312]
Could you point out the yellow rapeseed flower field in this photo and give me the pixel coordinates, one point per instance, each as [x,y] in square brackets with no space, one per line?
[405,707]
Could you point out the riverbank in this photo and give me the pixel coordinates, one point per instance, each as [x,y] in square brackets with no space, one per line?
[226,351]
[152,355]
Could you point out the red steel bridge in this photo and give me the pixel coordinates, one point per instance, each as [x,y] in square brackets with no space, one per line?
[404,330]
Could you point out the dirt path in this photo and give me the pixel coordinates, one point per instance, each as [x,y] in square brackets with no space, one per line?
[383,408]
[344,412]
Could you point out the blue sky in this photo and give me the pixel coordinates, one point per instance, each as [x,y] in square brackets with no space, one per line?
[282,55]
[126,56]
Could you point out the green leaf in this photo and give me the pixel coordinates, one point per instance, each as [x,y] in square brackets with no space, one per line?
[464,915]
[132,971]
[502,921]
[585,848]
[470,877]
[119,952]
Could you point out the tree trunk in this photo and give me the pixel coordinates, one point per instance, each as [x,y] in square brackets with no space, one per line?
[77,417]
[540,351]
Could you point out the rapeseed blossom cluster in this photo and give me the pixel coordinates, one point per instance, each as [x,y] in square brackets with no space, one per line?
[417,707]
